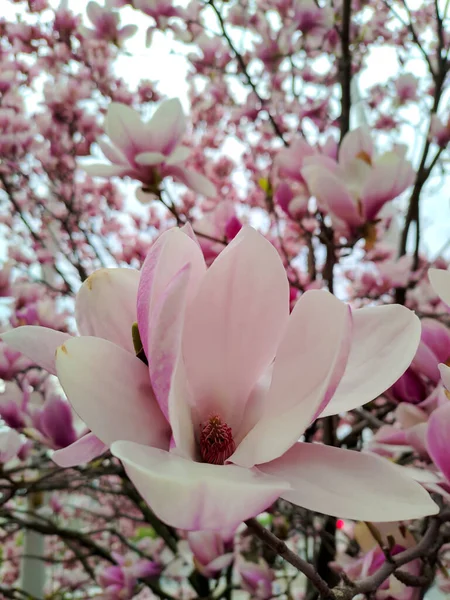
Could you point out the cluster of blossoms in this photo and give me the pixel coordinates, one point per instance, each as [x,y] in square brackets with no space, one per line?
[252,360]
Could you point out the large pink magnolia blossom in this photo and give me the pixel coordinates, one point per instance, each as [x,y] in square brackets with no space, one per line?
[209,431]
[148,151]
[355,188]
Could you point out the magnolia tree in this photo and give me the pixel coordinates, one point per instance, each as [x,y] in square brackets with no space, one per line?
[225,329]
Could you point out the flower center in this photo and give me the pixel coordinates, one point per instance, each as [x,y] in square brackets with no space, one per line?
[216,441]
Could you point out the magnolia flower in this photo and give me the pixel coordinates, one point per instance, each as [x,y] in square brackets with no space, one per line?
[256,578]
[148,151]
[406,87]
[119,581]
[208,431]
[211,550]
[106,24]
[354,189]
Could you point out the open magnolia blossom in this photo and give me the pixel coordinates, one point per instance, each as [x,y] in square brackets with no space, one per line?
[355,188]
[208,431]
[148,151]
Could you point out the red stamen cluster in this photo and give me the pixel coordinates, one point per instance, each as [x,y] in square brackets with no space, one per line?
[216,441]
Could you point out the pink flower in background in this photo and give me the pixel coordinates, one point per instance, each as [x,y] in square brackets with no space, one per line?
[12,405]
[211,550]
[406,87]
[369,563]
[355,188]
[440,130]
[148,151]
[55,421]
[221,223]
[310,18]
[106,24]
[10,444]
[256,578]
[119,581]
[235,381]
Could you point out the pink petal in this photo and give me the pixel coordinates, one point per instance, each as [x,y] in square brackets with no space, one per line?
[180,418]
[165,338]
[196,496]
[205,545]
[94,11]
[180,154]
[234,324]
[193,180]
[440,282]
[112,153]
[390,176]
[350,485]
[408,415]
[105,170]
[437,337]
[309,363]
[445,375]
[332,194]
[106,305]
[149,159]
[167,126]
[356,142]
[110,390]
[438,436]
[82,451]
[124,127]
[385,339]
[416,437]
[425,362]
[168,255]
[39,344]
[127,32]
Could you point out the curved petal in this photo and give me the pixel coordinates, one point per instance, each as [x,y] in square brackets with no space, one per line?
[234,324]
[109,388]
[332,194]
[193,180]
[180,154]
[165,339]
[82,451]
[440,282]
[445,375]
[167,126]
[112,153]
[196,496]
[356,144]
[385,339]
[390,176]
[106,305]
[149,159]
[94,11]
[168,255]
[350,485]
[124,127]
[426,362]
[309,364]
[438,436]
[127,32]
[437,337]
[180,418]
[39,344]
[105,170]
